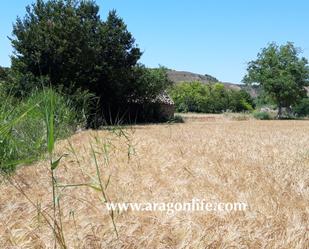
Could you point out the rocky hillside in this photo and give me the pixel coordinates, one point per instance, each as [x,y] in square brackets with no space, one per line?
[181,76]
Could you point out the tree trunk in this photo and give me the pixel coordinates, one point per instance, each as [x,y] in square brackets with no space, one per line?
[279,111]
[289,111]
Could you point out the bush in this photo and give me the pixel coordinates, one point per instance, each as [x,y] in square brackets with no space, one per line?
[176,119]
[302,108]
[262,115]
[209,98]
[23,127]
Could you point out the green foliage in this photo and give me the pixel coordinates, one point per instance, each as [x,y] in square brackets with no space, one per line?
[263,100]
[23,129]
[262,115]
[208,98]
[281,74]
[149,83]
[239,101]
[302,108]
[68,42]
[72,49]
[4,74]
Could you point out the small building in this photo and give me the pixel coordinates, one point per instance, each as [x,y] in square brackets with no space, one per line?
[159,109]
[166,106]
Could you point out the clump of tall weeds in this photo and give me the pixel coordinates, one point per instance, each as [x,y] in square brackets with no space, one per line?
[23,128]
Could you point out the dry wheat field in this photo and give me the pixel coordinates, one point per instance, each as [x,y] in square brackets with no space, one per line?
[262,163]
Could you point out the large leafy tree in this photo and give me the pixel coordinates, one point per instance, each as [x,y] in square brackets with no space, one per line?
[66,44]
[281,73]
[67,41]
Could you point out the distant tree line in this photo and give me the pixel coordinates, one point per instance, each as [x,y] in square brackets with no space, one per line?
[209,98]
[279,76]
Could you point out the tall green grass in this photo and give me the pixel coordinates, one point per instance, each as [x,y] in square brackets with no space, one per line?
[50,105]
[33,125]
[23,126]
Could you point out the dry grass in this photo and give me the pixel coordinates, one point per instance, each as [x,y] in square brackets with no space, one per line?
[263,163]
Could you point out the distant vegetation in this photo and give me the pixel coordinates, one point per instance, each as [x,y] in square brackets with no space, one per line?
[301,109]
[209,98]
[262,115]
[277,80]
[283,76]
[262,98]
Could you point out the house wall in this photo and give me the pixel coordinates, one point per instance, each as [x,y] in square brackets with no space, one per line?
[167,111]
[133,113]
[151,112]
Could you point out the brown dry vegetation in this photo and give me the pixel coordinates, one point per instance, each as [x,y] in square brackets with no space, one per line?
[263,163]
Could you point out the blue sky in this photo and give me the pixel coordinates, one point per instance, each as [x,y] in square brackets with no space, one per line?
[216,37]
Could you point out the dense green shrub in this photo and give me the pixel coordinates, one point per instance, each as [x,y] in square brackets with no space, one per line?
[189,97]
[302,108]
[209,98]
[239,101]
[23,130]
[262,115]
[177,119]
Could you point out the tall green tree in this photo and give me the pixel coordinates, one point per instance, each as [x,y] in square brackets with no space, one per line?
[281,73]
[66,43]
